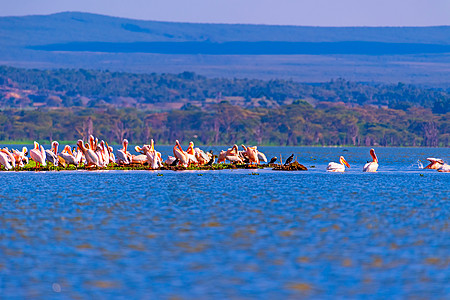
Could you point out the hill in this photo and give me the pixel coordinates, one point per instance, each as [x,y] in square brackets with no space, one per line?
[417,55]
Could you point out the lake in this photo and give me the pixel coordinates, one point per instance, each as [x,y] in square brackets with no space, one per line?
[231,233]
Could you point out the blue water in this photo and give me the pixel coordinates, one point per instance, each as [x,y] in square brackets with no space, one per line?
[232,233]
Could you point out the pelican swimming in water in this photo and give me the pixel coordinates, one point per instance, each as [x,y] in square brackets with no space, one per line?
[38,155]
[438,164]
[445,168]
[435,163]
[373,165]
[338,167]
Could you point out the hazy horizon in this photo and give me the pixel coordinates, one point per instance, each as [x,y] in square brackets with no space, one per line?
[321,13]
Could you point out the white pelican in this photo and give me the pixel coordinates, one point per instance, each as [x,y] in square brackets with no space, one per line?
[154,158]
[38,155]
[68,157]
[180,154]
[261,156]
[435,163]
[444,168]
[373,165]
[89,154]
[338,167]
[52,154]
[231,152]
[123,156]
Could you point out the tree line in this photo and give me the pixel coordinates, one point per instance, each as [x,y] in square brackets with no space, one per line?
[298,123]
[68,87]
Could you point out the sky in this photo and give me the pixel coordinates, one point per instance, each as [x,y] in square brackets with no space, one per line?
[275,12]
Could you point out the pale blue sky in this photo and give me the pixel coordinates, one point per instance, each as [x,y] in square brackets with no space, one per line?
[283,12]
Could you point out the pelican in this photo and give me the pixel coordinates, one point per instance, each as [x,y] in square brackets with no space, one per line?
[68,157]
[4,160]
[233,153]
[89,154]
[180,154]
[52,154]
[202,156]
[435,163]
[11,158]
[21,157]
[252,154]
[190,152]
[373,165]
[170,160]
[444,168]
[261,156]
[338,167]
[123,156]
[38,155]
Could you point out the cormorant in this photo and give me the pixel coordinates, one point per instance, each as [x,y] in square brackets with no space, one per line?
[211,161]
[273,160]
[289,159]
[175,163]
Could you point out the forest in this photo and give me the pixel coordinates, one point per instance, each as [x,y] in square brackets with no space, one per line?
[295,124]
[66,104]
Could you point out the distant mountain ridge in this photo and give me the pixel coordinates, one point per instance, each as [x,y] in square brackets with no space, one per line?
[84,27]
[418,55]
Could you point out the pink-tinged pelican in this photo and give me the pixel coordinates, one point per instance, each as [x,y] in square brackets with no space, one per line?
[252,154]
[11,158]
[38,155]
[338,167]
[21,157]
[438,164]
[373,165]
[202,156]
[191,154]
[4,160]
[89,154]
[180,154]
[435,163]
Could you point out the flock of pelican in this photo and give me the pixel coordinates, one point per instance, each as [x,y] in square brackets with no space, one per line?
[97,154]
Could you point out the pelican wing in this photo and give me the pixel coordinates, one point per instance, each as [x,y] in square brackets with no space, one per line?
[435,160]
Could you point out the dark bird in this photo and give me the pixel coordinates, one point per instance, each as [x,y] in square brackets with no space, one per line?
[211,161]
[289,159]
[273,160]
[175,163]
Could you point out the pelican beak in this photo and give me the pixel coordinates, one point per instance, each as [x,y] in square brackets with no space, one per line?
[346,163]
